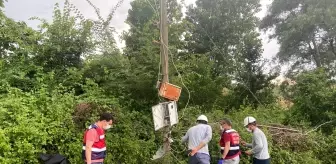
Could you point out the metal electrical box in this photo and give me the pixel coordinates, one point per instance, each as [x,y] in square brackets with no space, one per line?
[158,112]
[163,111]
[170,91]
[172,109]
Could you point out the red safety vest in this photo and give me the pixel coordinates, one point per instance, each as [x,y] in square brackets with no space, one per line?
[234,143]
[99,147]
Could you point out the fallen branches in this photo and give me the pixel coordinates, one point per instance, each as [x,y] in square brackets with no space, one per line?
[294,139]
[281,128]
[287,137]
[320,126]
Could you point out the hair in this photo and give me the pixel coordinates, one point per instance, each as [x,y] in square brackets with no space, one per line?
[202,122]
[106,117]
[227,121]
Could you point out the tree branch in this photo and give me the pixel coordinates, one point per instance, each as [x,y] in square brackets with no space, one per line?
[319,126]
[331,42]
[274,127]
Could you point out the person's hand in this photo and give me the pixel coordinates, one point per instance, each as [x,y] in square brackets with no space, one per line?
[223,157]
[193,152]
[243,143]
[248,152]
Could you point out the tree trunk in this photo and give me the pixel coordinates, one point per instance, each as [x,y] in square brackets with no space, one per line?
[316,55]
[332,47]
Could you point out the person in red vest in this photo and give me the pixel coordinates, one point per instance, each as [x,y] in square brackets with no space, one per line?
[94,146]
[229,143]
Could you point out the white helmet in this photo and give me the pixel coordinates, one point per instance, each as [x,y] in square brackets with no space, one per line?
[248,120]
[202,117]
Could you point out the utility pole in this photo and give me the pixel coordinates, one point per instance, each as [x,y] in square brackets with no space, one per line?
[164,62]
[164,40]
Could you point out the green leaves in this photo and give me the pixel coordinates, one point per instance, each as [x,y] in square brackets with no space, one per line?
[304,30]
[314,99]
[218,27]
[55,81]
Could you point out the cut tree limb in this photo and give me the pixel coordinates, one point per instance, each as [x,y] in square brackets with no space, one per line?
[279,128]
[319,126]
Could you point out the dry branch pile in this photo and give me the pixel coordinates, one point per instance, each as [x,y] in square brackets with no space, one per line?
[287,137]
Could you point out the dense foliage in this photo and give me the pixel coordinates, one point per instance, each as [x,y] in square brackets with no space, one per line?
[305,30]
[55,80]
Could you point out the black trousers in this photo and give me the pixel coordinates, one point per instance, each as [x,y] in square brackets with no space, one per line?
[261,161]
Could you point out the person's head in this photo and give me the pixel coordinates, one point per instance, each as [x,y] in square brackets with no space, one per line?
[250,123]
[202,119]
[105,121]
[226,124]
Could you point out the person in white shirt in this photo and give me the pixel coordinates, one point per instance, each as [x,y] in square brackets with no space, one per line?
[259,142]
[198,138]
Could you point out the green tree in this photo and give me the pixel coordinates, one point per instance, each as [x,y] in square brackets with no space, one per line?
[314,96]
[17,40]
[143,54]
[64,41]
[197,79]
[44,107]
[305,31]
[69,39]
[144,20]
[111,72]
[2,3]
[218,28]
[17,45]
[103,33]
[252,86]
[225,30]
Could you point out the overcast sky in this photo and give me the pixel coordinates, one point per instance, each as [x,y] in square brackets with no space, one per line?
[24,9]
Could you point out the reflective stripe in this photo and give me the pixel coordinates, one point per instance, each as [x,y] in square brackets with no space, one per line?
[229,131]
[232,148]
[96,149]
[102,137]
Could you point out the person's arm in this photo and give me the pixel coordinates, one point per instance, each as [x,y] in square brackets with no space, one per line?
[202,144]
[91,137]
[185,137]
[226,149]
[88,151]
[249,145]
[258,144]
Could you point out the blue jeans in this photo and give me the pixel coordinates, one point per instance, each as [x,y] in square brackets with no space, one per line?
[199,158]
